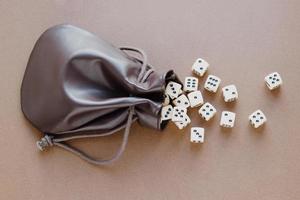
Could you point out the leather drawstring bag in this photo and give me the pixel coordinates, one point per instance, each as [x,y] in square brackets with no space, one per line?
[77,85]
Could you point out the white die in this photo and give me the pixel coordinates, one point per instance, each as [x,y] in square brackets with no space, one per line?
[166,100]
[166,112]
[230,93]
[184,123]
[179,114]
[212,83]
[257,118]
[227,119]
[195,98]
[173,89]
[180,125]
[200,66]
[273,80]
[190,84]
[207,111]
[180,92]
[182,101]
[197,135]
[186,119]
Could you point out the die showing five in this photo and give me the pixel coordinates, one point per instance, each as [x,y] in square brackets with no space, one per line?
[273,80]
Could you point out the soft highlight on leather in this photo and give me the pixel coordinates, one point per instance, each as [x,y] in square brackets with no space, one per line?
[78,85]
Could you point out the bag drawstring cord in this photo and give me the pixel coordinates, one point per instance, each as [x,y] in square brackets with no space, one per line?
[47,141]
[146,70]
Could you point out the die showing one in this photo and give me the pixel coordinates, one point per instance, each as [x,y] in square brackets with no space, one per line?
[195,98]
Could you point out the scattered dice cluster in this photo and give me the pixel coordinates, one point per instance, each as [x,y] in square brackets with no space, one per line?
[178,100]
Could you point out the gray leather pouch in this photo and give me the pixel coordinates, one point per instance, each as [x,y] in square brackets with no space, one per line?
[77,85]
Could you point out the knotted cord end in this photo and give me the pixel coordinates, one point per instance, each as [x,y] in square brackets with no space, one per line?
[44,142]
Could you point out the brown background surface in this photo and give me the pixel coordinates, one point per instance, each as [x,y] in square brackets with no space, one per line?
[242,40]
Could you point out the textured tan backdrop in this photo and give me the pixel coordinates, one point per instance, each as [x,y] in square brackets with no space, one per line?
[242,40]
